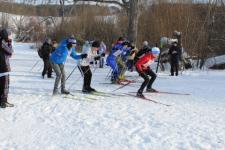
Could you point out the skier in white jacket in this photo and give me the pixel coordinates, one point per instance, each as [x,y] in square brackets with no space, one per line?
[85,65]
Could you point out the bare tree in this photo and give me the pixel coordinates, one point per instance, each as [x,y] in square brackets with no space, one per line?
[133,13]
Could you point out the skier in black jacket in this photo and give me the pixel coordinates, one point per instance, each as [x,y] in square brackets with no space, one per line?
[145,49]
[5,53]
[175,53]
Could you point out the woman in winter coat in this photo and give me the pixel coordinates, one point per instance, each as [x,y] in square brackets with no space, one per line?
[5,53]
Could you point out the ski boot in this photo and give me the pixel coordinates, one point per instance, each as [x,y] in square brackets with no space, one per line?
[86,91]
[151,90]
[139,94]
[91,89]
[5,104]
[55,92]
[64,91]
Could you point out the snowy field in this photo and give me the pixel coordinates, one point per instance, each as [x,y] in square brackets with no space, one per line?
[113,122]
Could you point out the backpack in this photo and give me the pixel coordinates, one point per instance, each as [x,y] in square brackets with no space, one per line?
[40,52]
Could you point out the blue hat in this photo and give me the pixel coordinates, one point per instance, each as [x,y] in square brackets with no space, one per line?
[155,50]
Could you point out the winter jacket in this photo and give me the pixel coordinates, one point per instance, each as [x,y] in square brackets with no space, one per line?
[175,53]
[91,57]
[5,53]
[141,52]
[46,50]
[144,62]
[60,54]
[118,50]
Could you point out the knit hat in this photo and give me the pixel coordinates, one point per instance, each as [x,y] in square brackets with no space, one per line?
[5,33]
[120,39]
[96,44]
[155,50]
[126,43]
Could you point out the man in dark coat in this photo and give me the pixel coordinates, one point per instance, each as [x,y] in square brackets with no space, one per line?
[5,53]
[175,53]
[46,50]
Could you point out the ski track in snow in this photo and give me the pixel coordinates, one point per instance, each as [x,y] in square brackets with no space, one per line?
[40,121]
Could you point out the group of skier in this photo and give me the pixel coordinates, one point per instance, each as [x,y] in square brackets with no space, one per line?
[141,59]
[123,56]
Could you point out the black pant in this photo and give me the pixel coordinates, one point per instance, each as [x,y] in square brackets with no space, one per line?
[86,72]
[4,88]
[47,68]
[147,80]
[174,67]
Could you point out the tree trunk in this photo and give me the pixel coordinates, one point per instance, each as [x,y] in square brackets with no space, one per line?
[62,3]
[133,20]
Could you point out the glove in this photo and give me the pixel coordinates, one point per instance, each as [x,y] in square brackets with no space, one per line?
[103,55]
[141,73]
[83,56]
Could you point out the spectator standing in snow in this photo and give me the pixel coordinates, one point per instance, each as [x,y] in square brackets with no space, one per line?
[174,53]
[46,50]
[5,53]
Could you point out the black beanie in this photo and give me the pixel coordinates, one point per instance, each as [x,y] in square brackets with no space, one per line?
[96,44]
[4,34]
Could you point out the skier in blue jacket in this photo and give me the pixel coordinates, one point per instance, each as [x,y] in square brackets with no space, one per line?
[112,59]
[58,58]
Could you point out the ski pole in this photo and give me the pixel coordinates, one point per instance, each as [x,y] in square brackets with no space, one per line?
[158,62]
[82,75]
[69,75]
[107,76]
[34,65]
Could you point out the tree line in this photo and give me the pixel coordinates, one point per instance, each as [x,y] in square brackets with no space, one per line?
[201,24]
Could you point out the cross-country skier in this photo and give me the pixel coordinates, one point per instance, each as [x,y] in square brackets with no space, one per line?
[5,53]
[85,66]
[144,70]
[58,58]
[112,58]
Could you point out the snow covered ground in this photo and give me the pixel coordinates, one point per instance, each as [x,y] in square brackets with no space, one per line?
[40,121]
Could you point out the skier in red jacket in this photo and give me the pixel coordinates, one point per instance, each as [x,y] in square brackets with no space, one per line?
[144,70]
